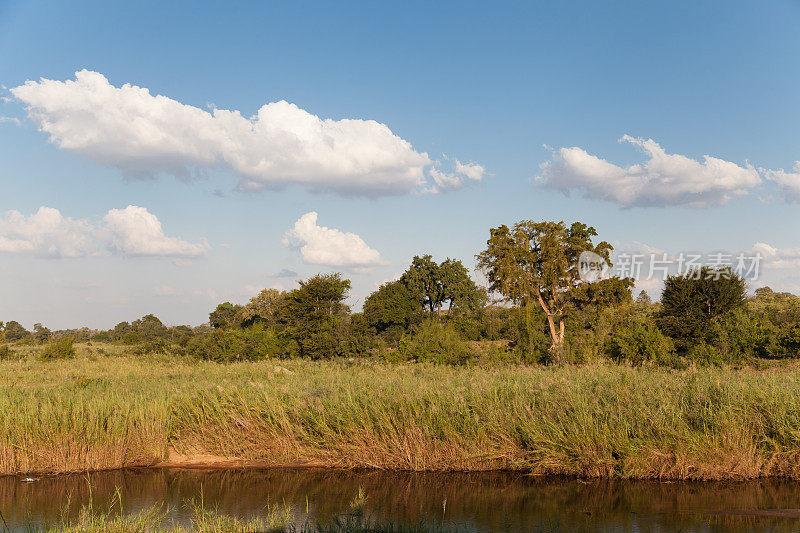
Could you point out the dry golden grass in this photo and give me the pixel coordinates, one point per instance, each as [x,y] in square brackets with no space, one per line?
[99,412]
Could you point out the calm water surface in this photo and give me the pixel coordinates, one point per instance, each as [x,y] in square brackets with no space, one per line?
[496,501]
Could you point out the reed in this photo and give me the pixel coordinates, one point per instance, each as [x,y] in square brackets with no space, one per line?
[600,420]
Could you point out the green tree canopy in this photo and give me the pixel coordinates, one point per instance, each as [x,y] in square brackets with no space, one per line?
[312,314]
[393,305]
[14,331]
[689,303]
[538,262]
[149,328]
[435,284]
[263,308]
[41,333]
[224,316]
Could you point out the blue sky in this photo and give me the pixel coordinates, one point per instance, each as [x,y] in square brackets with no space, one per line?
[480,84]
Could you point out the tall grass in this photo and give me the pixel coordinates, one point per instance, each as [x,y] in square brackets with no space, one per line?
[98,412]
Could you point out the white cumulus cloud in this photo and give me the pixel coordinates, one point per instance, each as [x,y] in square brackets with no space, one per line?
[145,135]
[663,180]
[131,231]
[789,182]
[136,231]
[45,233]
[319,245]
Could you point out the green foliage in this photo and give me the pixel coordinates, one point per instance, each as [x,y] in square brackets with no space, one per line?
[356,339]
[435,343]
[392,308]
[130,337]
[41,333]
[61,348]
[537,262]
[434,284]
[6,352]
[263,308]
[790,341]
[690,302]
[312,315]
[149,328]
[13,331]
[641,342]
[227,345]
[224,316]
[704,354]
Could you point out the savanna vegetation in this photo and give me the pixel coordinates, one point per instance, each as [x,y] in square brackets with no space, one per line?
[540,371]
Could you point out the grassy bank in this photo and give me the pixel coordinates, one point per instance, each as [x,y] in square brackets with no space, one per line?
[106,411]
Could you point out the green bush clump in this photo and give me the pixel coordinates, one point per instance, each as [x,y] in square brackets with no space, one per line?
[226,345]
[706,354]
[58,349]
[157,346]
[6,352]
[435,343]
[641,342]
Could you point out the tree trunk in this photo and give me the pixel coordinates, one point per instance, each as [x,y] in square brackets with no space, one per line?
[557,335]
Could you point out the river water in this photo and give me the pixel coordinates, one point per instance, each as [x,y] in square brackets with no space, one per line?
[493,501]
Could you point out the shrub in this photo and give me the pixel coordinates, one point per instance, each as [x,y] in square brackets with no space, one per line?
[641,342]
[706,354]
[157,346]
[6,352]
[435,343]
[226,345]
[468,327]
[58,349]
[790,342]
[740,335]
[130,337]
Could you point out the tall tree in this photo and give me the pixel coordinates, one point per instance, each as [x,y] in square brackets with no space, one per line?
[14,331]
[263,308]
[393,305]
[538,262]
[312,314]
[224,316]
[689,302]
[435,284]
[41,333]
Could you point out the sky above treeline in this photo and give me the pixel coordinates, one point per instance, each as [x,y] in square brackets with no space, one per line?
[163,157]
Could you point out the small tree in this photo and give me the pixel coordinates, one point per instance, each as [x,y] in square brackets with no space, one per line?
[149,328]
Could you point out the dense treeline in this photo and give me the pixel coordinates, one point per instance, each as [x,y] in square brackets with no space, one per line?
[536,310]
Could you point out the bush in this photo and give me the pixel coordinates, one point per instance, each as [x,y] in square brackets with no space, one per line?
[740,335]
[226,345]
[157,346]
[641,342]
[706,354]
[58,349]
[470,328]
[435,343]
[790,342]
[6,352]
